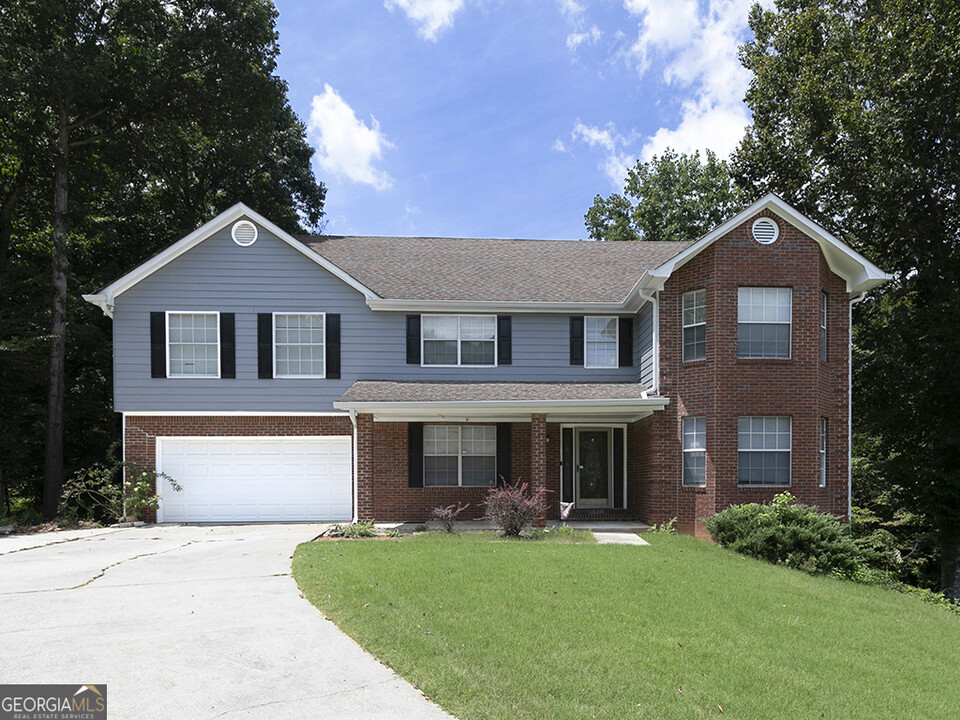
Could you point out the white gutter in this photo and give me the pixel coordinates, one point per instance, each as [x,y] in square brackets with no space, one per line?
[356,499]
[654,300]
[528,406]
[853,301]
[103,302]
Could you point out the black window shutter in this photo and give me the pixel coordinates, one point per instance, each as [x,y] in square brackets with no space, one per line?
[158,344]
[264,346]
[413,339]
[333,346]
[626,342]
[566,460]
[503,454]
[504,340]
[576,340]
[618,484]
[415,454]
[228,345]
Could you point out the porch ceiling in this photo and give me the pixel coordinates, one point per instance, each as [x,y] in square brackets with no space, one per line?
[462,401]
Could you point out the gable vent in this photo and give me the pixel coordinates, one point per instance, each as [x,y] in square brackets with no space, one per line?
[244,233]
[765,231]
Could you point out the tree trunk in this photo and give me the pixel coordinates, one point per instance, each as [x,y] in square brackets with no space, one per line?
[53,450]
[950,563]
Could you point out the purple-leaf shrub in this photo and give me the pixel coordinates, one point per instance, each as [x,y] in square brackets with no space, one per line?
[446,516]
[512,507]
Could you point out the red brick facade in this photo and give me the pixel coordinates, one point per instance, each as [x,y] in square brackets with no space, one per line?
[721,388]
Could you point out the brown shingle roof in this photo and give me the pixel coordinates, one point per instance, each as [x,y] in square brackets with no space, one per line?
[381,391]
[412,268]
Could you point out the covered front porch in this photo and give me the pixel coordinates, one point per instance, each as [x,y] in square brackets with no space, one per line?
[423,445]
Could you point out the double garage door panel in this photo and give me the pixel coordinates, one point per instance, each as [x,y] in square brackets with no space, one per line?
[262,479]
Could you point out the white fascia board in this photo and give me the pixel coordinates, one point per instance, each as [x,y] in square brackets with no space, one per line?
[582,418]
[482,408]
[105,298]
[842,259]
[495,306]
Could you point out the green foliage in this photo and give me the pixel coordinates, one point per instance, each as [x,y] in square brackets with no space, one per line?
[94,494]
[672,197]
[855,122]
[664,528]
[142,497]
[353,530]
[788,533]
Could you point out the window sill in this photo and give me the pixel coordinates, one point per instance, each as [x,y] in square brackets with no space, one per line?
[762,487]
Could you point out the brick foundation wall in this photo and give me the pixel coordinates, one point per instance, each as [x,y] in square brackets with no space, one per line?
[723,387]
[141,431]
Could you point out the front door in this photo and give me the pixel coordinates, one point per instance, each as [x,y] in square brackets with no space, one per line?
[593,465]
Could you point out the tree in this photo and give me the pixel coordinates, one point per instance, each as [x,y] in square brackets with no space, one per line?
[672,197]
[133,119]
[855,122]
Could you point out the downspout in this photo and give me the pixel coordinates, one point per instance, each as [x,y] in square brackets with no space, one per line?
[652,299]
[853,301]
[123,461]
[356,510]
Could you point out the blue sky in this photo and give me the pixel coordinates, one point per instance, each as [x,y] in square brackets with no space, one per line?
[503,118]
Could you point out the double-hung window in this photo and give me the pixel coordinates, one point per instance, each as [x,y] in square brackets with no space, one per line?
[823,452]
[763,322]
[460,455]
[600,339]
[694,325]
[193,344]
[298,345]
[763,444]
[823,327]
[694,451]
[452,340]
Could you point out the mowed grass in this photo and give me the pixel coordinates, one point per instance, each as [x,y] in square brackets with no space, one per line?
[524,629]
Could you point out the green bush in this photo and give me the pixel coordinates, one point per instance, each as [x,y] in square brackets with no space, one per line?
[787,533]
[353,530]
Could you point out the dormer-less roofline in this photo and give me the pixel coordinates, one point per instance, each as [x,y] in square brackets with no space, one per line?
[106,297]
[861,274]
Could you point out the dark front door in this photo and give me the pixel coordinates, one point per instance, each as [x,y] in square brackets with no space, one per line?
[593,467]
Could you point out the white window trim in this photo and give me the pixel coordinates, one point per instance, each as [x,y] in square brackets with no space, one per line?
[496,341]
[822,450]
[616,342]
[167,315]
[756,322]
[273,344]
[771,485]
[460,458]
[684,451]
[684,326]
[824,346]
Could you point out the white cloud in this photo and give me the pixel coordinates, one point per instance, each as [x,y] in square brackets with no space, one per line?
[697,43]
[576,39]
[430,16]
[617,160]
[346,147]
[559,146]
[571,10]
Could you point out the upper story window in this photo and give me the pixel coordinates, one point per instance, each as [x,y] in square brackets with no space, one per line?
[452,340]
[823,452]
[298,345]
[823,327]
[763,450]
[193,344]
[460,455]
[694,451]
[600,342]
[763,322]
[694,325]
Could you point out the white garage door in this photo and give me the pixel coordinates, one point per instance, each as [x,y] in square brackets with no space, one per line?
[255,479]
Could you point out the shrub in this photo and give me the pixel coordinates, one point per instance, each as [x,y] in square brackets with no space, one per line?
[142,495]
[446,516]
[353,530]
[513,507]
[93,494]
[664,528]
[787,533]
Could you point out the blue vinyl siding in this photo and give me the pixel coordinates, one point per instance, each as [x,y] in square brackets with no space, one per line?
[271,276]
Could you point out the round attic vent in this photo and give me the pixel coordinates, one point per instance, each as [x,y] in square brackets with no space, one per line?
[244,233]
[765,231]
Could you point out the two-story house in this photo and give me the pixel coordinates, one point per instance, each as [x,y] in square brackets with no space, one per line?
[282,378]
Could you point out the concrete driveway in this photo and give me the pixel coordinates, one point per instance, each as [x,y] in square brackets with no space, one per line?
[186,622]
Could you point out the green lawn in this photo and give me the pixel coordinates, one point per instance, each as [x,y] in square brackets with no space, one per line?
[525,629]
